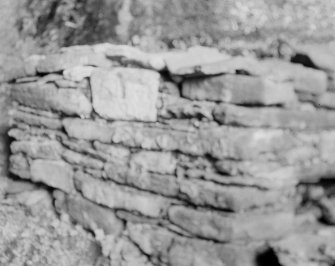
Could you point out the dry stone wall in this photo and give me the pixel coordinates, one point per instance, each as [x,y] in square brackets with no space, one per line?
[185,158]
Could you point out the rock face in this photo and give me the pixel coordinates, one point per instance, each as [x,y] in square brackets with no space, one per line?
[199,172]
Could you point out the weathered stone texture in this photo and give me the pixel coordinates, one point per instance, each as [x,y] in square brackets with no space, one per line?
[48,97]
[238,89]
[274,117]
[184,158]
[119,197]
[56,174]
[125,94]
[88,214]
[227,227]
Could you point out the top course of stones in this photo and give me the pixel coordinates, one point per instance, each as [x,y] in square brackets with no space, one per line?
[201,74]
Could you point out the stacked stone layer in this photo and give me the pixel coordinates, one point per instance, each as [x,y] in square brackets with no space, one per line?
[181,158]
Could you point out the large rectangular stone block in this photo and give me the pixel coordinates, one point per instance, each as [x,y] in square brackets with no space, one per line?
[125,93]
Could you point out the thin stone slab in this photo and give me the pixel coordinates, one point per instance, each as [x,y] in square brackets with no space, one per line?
[227,227]
[238,89]
[274,117]
[48,97]
[192,61]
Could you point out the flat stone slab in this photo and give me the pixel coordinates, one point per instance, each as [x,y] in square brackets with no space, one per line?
[274,117]
[227,227]
[238,89]
[193,62]
[220,142]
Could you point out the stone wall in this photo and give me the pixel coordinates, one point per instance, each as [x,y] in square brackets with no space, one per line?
[182,158]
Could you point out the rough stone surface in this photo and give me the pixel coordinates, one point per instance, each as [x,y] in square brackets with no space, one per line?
[78,73]
[58,62]
[214,174]
[192,61]
[163,163]
[88,214]
[232,198]
[118,197]
[176,107]
[303,79]
[239,89]
[273,117]
[219,142]
[40,238]
[313,247]
[39,149]
[125,94]
[48,97]
[169,248]
[131,55]
[56,174]
[227,227]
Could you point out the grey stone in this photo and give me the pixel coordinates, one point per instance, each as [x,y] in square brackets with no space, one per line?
[152,161]
[171,249]
[321,55]
[303,79]
[18,165]
[232,198]
[48,97]
[78,73]
[120,197]
[56,174]
[192,61]
[131,55]
[170,88]
[327,146]
[125,94]
[274,117]
[219,142]
[90,215]
[19,186]
[36,120]
[166,185]
[312,247]
[326,100]
[68,59]
[238,89]
[75,158]
[258,177]
[228,227]
[38,148]
[176,107]
[114,153]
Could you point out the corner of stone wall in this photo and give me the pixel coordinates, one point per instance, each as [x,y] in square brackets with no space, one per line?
[181,158]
